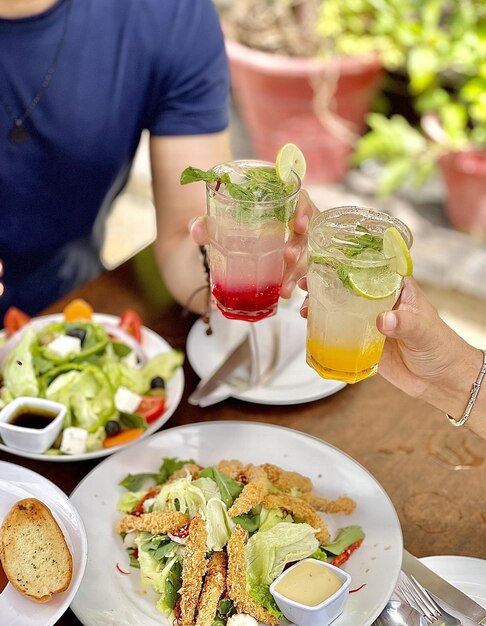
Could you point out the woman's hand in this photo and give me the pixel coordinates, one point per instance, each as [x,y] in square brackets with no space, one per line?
[295,253]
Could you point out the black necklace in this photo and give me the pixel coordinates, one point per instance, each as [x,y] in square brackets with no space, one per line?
[19,134]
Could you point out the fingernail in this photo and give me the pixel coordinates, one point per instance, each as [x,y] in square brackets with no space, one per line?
[191,223]
[291,285]
[389,320]
[301,282]
[303,311]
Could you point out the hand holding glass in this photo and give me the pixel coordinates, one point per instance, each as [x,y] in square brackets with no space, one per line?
[356,263]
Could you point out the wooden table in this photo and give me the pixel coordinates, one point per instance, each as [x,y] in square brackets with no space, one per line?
[435,475]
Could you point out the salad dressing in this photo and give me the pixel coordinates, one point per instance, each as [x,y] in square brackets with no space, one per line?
[27,417]
[308,583]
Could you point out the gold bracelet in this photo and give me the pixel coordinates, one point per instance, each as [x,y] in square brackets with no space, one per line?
[474,394]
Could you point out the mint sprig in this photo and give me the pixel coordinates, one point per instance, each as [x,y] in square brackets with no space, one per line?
[260,185]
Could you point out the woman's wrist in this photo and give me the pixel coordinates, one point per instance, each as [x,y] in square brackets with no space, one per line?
[452,392]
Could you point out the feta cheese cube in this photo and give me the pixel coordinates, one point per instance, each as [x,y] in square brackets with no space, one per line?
[65,345]
[74,440]
[126,401]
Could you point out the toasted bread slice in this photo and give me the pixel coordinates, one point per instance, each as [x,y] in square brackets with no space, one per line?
[33,550]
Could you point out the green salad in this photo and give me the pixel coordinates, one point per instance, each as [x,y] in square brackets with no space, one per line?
[210,540]
[112,391]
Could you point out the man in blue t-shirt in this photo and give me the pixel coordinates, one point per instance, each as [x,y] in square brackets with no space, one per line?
[79,81]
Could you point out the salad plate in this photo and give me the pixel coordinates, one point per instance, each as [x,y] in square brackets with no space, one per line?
[151,345]
[466,573]
[17,483]
[294,381]
[111,593]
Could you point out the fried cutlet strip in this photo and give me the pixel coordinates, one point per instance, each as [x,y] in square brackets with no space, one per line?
[301,510]
[193,569]
[253,492]
[157,522]
[189,468]
[287,481]
[232,468]
[213,588]
[236,579]
[342,504]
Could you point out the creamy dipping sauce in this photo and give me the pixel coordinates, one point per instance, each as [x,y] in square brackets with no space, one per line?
[308,583]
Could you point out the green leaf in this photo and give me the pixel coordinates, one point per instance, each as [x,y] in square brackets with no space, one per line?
[131,420]
[194,175]
[422,66]
[229,489]
[395,173]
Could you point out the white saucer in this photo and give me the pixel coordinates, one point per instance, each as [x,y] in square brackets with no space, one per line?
[466,573]
[295,383]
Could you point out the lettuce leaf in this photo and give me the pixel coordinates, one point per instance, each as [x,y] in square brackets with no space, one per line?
[18,368]
[267,553]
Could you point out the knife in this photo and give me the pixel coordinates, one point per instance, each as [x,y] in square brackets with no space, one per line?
[239,356]
[443,590]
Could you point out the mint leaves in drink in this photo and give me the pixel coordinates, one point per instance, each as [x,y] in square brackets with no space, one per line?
[256,185]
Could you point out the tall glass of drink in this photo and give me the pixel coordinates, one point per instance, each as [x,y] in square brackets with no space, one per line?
[357,259]
[250,218]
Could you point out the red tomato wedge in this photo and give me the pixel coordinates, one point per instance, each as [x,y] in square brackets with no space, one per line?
[151,407]
[14,319]
[131,322]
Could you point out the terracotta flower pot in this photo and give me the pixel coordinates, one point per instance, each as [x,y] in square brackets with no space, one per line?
[464,175]
[320,105]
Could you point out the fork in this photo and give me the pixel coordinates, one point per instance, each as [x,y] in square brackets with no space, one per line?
[418,597]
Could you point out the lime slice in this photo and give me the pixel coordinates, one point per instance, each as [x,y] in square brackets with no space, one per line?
[394,247]
[290,159]
[373,283]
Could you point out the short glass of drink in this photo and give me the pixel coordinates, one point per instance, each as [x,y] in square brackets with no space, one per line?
[350,281]
[249,222]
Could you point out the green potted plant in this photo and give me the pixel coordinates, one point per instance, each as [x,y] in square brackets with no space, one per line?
[306,71]
[445,61]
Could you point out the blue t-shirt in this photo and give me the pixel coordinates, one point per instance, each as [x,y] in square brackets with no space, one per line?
[124,66]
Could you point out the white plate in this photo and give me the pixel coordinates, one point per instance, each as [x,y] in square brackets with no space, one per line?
[16,483]
[464,572]
[108,598]
[152,345]
[295,383]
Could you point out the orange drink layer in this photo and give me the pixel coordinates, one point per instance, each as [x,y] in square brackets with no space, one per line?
[350,281]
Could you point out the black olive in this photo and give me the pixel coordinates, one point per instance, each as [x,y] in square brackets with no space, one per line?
[80,333]
[157,382]
[112,427]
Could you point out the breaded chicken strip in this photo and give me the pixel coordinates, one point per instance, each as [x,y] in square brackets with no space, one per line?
[236,579]
[342,504]
[157,522]
[213,588]
[300,510]
[232,468]
[188,468]
[287,481]
[253,492]
[194,567]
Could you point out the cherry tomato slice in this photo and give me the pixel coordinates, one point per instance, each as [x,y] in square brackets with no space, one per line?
[151,407]
[131,322]
[14,319]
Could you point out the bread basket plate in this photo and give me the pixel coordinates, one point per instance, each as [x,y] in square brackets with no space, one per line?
[17,483]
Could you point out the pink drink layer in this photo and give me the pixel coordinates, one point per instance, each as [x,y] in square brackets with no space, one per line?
[250,304]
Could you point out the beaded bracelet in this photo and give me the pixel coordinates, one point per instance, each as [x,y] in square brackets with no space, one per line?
[474,394]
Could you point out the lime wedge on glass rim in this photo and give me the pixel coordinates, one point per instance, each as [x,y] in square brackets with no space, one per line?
[290,159]
[374,282]
[396,249]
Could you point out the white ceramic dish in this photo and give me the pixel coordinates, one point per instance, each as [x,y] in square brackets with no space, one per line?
[321,614]
[295,383]
[464,572]
[36,440]
[109,598]
[17,483]
[152,344]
